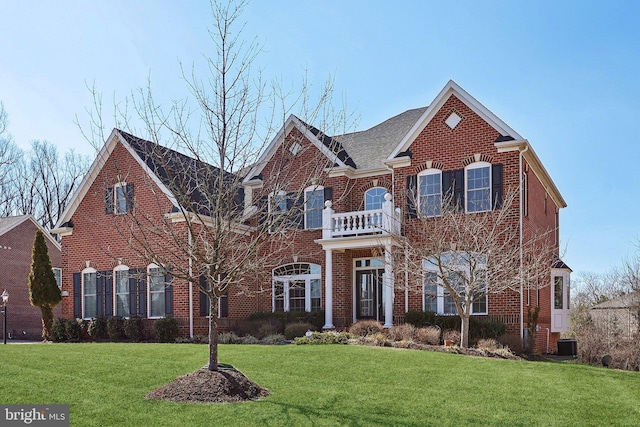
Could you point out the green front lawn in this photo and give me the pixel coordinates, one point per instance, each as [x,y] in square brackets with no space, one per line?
[105,385]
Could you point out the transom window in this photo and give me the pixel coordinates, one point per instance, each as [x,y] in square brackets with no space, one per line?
[313,203]
[373,198]
[430,192]
[297,287]
[478,187]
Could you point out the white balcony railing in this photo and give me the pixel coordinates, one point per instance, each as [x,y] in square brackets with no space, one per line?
[385,221]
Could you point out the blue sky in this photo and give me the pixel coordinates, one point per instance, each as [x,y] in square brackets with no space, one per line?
[563,74]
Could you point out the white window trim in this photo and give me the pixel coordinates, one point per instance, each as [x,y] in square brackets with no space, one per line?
[87,270]
[270,207]
[116,205]
[312,189]
[424,173]
[115,294]
[149,267]
[476,165]
[285,280]
[56,269]
[374,188]
[463,270]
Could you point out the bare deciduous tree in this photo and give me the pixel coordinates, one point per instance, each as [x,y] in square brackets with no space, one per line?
[212,239]
[474,255]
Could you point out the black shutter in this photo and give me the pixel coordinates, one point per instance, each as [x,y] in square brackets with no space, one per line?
[224,306]
[99,293]
[496,186]
[447,187]
[204,299]
[141,282]
[133,306]
[168,294]
[108,200]
[297,204]
[412,196]
[129,193]
[328,194]
[458,189]
[107,281]
[77,296]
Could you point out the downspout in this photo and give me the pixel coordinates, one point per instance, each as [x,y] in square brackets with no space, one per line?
[521,206]
[190,288]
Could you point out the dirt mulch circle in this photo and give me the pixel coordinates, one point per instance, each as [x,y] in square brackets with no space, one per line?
[205,386]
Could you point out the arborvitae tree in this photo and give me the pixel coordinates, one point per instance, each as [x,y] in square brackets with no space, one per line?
[43,289]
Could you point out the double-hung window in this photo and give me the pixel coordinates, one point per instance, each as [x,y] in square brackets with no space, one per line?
[478,187]
[119,199]
[313,202]
[430,192]
[89,293]
[156,291]
[121,291]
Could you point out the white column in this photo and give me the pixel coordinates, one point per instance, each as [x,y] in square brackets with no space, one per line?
[328,290]
[388,287]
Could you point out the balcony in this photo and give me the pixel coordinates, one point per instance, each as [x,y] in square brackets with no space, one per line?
[376,222]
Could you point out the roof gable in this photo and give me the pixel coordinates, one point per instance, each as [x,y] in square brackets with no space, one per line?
[9,223]
[330,147]
[449,90]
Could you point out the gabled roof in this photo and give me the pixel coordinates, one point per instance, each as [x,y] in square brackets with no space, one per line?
[449,90]
[625,301]
[369,148]
[330,147]
[163,165]
[9,223]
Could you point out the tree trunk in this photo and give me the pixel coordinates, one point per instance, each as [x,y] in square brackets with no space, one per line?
[47,321]
[213,333]
[464,331]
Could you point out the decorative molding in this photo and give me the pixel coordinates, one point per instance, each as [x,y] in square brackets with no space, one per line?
[429,164]
[478,157]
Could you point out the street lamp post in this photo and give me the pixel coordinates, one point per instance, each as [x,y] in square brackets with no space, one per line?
[5,298]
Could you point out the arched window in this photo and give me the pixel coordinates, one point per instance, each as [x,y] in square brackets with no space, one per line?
[121,291]
[89,293]
[374,197]
[297,287]
[478,187]
[430,192]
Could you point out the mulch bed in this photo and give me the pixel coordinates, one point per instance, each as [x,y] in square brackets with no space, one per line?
[205,386]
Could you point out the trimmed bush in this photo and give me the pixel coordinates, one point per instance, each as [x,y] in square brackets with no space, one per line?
[329,337]
[420,319]
[59,330]
[270,327]
[75,329]
[98,328]
[166,329]
[228,338]
[316,318]
[249,339]
[429,335]
[404,332]
[115,328]
[133,328]
[451,335]
[478,329]
[298,329]
[275,339]
[364,328]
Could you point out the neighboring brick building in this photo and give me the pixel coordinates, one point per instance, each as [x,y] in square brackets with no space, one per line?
[17,234]
[341,254]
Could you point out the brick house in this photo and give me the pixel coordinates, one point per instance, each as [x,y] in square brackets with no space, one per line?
[340,260]
[17,233]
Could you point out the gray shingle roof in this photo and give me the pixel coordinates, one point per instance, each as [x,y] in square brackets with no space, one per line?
[8,223]
[369,148]
[625,301]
